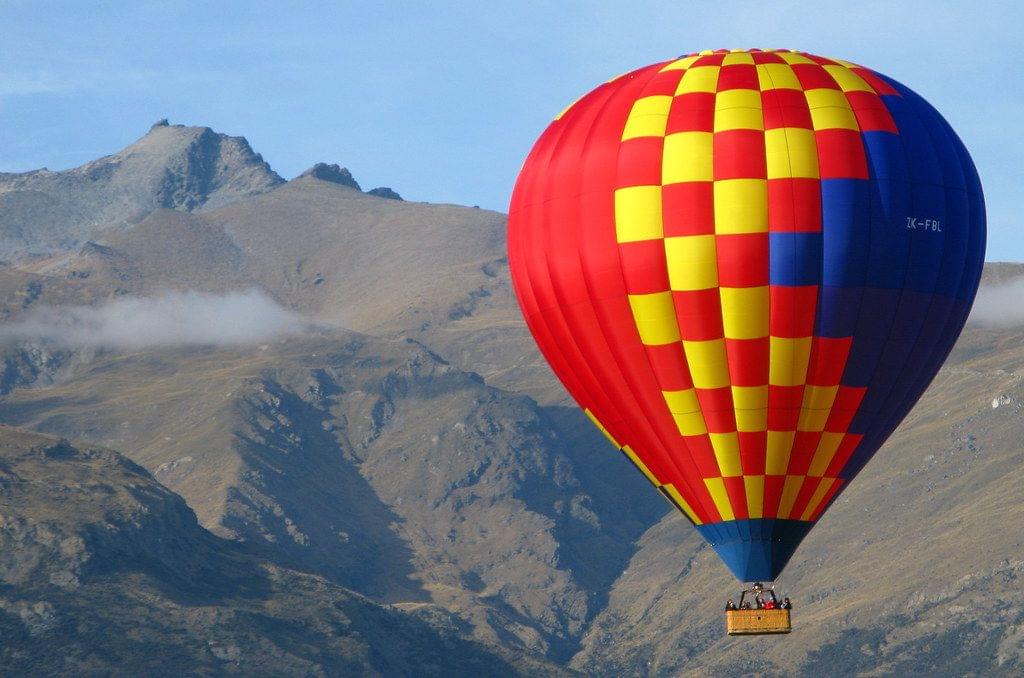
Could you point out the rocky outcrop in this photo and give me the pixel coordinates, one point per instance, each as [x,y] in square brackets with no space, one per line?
[384,192]
[334,174]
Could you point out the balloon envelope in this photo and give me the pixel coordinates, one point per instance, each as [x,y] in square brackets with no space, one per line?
[747,266]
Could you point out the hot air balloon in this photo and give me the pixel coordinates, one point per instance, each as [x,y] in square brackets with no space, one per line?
[746,266]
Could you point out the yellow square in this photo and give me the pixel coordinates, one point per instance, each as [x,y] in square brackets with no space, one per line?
[826,449]
[741,206]
[751,403]
[830,109]
[790,490]
[680,64]
[738,58]
[794,58]
[727,453]
[647,117]
[819,397]
[776,76]
[687,157]
[751,421]
[738,109]
[848,80]
[699,79]
[655,318]
[754,486]
[638,213]
[707,362]
[823,97]
[738,98]
[780,444]
[791,152]
[833,118]
[745,312]
[716,488]
[787,360]
[682,402]
[692,263]
[812,420]
[750,397]
[690,423]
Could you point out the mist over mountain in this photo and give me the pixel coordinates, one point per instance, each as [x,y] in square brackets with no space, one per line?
[327,445]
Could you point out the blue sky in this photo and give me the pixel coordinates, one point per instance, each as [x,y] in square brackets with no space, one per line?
[441,101]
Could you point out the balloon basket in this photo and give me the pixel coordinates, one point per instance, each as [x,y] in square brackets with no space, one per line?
[757,622]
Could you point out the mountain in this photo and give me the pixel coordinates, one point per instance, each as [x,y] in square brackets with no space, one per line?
[173,166]
[104,570]
[424,459]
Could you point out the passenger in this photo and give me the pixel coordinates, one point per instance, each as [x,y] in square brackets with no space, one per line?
[730,605]
[769,604]
[786,605]
[745,606]
[759,601]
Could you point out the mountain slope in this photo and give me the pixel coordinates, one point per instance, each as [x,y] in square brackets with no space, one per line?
[103,570]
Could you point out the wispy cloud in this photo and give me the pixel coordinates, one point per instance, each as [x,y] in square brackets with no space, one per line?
[169,319]
[999,305]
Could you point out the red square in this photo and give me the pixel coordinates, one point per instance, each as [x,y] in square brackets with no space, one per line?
[748,361]
[828,360]
[663,83]
[739,154]
[794,205]
[640,161]
[709,60]
[872,115]
[716,406]
[813,76]
[699,314]
[792,310]
[753,447]
[737,76]
[693,112]
[785,108]
[841,154]
[688,208]
[742,259]
[767,58]
[773,494]
[670,367]
[643,266]
[805,443]
[737,492]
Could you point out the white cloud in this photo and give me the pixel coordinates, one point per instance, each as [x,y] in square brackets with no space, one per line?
[999,305]
[168,319]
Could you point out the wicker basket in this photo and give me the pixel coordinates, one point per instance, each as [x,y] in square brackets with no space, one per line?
[754,622]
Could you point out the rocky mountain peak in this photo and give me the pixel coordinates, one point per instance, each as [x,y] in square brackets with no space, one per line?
[333,173]
[173,166]
[384,192]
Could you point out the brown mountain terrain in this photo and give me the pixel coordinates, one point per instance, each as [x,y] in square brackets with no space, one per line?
[425,458]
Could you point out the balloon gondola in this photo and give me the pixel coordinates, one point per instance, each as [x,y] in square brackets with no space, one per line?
[746,267]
